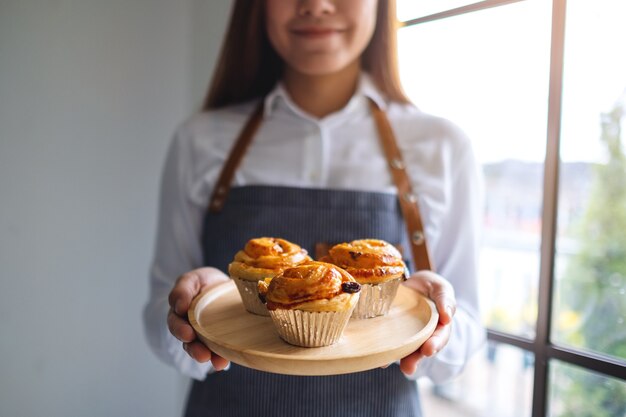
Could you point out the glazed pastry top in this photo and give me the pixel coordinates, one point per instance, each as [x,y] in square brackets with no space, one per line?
[265,257]
[311,286]
[369,261]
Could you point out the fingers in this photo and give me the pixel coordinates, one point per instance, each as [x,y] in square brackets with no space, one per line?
[446,306]
[436,341]
[218,362]
[408,364]
[187,287]
[201,353]
[180,327]
[198,351]
[191,284]
[437,289]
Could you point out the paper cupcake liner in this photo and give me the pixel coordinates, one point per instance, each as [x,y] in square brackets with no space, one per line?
[249,293]
[376,299]
[308,328]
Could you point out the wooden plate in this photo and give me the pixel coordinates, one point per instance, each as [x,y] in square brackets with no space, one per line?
[222,323]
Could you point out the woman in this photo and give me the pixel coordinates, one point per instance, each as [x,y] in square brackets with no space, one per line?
[306,76]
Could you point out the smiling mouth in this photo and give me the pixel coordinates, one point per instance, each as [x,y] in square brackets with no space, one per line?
[315,32]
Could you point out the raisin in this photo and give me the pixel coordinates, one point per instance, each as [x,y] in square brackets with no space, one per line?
[355,255]
[351,287]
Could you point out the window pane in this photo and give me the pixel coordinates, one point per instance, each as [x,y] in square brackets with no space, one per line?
[590,296]
[575,392]
[488,72]
[411,9]
[496,383]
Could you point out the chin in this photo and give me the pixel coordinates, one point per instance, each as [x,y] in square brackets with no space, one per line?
[320,69]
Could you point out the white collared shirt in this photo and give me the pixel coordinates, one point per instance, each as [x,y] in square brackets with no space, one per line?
[340,151]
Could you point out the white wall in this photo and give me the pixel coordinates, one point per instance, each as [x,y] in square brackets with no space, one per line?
[90,93]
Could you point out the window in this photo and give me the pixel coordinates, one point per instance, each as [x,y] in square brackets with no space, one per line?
[540,88]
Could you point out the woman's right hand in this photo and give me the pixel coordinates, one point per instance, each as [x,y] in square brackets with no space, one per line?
[186,288]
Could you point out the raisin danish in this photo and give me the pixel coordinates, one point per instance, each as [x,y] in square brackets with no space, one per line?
[377,266]
[261,258]
[311,303]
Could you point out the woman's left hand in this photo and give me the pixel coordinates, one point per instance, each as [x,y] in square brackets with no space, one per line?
[441,292]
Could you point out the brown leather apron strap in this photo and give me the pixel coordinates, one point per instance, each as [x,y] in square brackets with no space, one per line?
[222,187]
[407,199]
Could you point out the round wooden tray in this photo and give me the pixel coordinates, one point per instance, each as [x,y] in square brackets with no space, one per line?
[222,323]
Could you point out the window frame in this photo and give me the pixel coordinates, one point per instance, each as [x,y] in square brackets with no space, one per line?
[542,347]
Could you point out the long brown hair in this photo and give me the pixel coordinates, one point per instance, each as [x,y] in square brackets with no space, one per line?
[248,66]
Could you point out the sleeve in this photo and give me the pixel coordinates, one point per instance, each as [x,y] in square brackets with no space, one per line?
[178,250]
[455,253]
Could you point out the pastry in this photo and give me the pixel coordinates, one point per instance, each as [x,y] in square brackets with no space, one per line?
[261,258]
[377,266]
[310,304]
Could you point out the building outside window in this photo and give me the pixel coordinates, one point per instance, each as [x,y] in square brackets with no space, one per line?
[540,88]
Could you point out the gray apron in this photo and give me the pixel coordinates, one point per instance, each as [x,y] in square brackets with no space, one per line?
[307,217]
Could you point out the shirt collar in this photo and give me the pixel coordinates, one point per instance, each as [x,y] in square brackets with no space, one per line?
[365,89]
